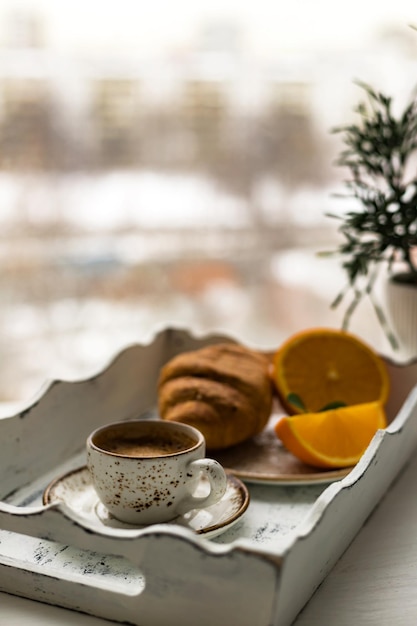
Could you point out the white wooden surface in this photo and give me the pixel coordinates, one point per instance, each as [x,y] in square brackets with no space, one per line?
[373,584]
[339,514]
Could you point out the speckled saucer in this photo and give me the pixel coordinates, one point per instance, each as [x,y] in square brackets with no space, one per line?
[76,490]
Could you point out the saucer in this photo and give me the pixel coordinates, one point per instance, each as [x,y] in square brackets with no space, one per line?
[76,490]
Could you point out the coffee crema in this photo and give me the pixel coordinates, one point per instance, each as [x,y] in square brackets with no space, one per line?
[146,446]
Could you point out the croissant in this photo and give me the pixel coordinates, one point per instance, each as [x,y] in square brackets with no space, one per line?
[223,390]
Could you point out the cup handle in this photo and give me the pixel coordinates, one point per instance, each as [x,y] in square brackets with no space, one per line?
[218,482]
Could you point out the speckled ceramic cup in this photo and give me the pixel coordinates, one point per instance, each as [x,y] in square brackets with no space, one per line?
[147,471]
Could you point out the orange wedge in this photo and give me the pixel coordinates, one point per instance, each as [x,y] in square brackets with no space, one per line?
[323,366]
[332,439]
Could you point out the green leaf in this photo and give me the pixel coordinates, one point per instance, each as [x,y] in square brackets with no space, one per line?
[333,405]
[295,400]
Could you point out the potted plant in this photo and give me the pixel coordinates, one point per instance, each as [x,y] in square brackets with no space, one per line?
[380,153]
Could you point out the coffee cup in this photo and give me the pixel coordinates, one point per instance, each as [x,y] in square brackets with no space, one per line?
[147,471]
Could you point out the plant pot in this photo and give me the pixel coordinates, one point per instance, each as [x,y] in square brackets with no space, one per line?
[401,309]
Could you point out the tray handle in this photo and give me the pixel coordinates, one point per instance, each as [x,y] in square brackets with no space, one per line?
[166,574]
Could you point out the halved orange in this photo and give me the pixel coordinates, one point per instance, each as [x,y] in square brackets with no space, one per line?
[332,439]
[323,366]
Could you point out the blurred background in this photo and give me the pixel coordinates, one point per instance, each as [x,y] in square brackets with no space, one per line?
[172,163]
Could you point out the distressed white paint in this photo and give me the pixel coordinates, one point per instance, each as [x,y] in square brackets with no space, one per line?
[289,538]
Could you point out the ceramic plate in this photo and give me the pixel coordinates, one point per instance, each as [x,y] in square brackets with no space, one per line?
[75,489]
[263,459]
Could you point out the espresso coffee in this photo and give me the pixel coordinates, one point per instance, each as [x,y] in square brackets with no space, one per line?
[148,446]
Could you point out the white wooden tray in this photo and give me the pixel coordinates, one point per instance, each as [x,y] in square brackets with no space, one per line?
[261,571]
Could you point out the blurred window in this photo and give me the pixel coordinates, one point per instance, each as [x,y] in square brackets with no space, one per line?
[174,165]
